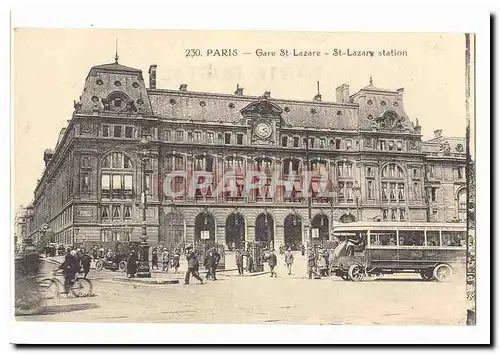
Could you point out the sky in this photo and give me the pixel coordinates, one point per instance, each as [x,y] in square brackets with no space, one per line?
[50,67]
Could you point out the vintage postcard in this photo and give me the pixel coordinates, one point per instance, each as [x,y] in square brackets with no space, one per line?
[243,177]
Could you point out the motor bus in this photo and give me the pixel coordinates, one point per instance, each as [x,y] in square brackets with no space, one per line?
[434,250]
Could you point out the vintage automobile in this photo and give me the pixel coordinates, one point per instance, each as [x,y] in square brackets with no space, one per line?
[118,260]
[434,250]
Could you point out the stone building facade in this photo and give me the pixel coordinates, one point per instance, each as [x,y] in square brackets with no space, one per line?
[377,165]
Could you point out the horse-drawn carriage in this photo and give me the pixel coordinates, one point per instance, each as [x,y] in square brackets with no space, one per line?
[116,257]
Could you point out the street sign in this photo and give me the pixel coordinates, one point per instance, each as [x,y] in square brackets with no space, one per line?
[205,235]
[315,233]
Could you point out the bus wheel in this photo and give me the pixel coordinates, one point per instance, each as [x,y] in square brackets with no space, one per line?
[442,272]
[427,274]
[356,272]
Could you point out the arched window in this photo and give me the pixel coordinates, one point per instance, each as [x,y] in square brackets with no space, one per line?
[393,188]
[116,176]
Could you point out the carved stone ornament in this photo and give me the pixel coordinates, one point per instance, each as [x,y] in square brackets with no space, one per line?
[86,128]
[445,148]
[368,143]
[413,145]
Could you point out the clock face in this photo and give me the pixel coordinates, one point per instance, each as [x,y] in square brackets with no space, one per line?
[263,130]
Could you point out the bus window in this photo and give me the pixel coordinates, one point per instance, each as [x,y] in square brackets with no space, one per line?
[432,238]
[453,238]
[411,238]
[383,238]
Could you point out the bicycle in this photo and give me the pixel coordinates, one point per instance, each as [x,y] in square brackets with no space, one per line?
[51,287]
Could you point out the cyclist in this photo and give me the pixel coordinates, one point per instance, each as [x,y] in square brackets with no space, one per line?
[70,268]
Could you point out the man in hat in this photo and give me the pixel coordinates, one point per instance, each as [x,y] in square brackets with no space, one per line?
[193,265]
[239,261]
[272,261]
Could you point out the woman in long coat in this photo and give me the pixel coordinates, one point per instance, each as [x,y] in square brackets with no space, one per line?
[131,265]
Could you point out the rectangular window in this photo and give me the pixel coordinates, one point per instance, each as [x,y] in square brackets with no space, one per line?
[369,171]
[227,138]
[401,191]
[337,143]
[348,144]
[105,212]
[149,184]
[127,186]
[127,211]
[382,145]
[332,143]
[311,143]
[117,131]
[296,141]
[453,238]
[179,135]
[116,211]
[402,214]
[85,182]
[416,191]
[434,215]
[197,137]
[341,192]
[415,173]
[349,193]
[105,130]
[399,146]
[190,136]
[371,194]
[434,194]
[433,238]
[383,238]
[460,174]
[210,137]
[391,145]
[284,141]
[384,191]
[431,171]
[117,187]
[85,161]
[239,139]
[179,163]
[167,135]
[322,143]
[220,138]
[129,132]
[411,238]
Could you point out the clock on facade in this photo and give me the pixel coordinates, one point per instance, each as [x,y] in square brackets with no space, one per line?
[263,130]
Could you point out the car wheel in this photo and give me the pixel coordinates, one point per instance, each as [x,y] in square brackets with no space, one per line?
[356,272]
[442,272]
[99,265]
[427,274]
[122,266]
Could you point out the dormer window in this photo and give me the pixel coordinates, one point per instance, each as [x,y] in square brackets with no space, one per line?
[117,102]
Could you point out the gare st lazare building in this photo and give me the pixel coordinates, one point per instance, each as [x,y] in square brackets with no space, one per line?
[377,165]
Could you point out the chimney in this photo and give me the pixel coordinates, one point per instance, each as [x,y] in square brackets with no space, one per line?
[267,94]
[342,93]
[317,98]
[47,156]
[438,133]
[152,76]
[239,90]
[183,87]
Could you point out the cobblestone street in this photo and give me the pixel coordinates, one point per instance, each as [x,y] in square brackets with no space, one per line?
[288,299]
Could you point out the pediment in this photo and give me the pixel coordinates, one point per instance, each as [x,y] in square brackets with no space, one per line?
[262,108]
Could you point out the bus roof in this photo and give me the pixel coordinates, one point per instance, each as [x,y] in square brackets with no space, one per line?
[360,225]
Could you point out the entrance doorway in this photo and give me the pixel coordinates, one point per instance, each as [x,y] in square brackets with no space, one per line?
[293,232]
[204,228]
[320,222]
[264,229]
[235,231]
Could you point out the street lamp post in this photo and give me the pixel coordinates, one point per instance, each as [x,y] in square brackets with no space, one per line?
[143,270]
[357,193]
[76,231]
